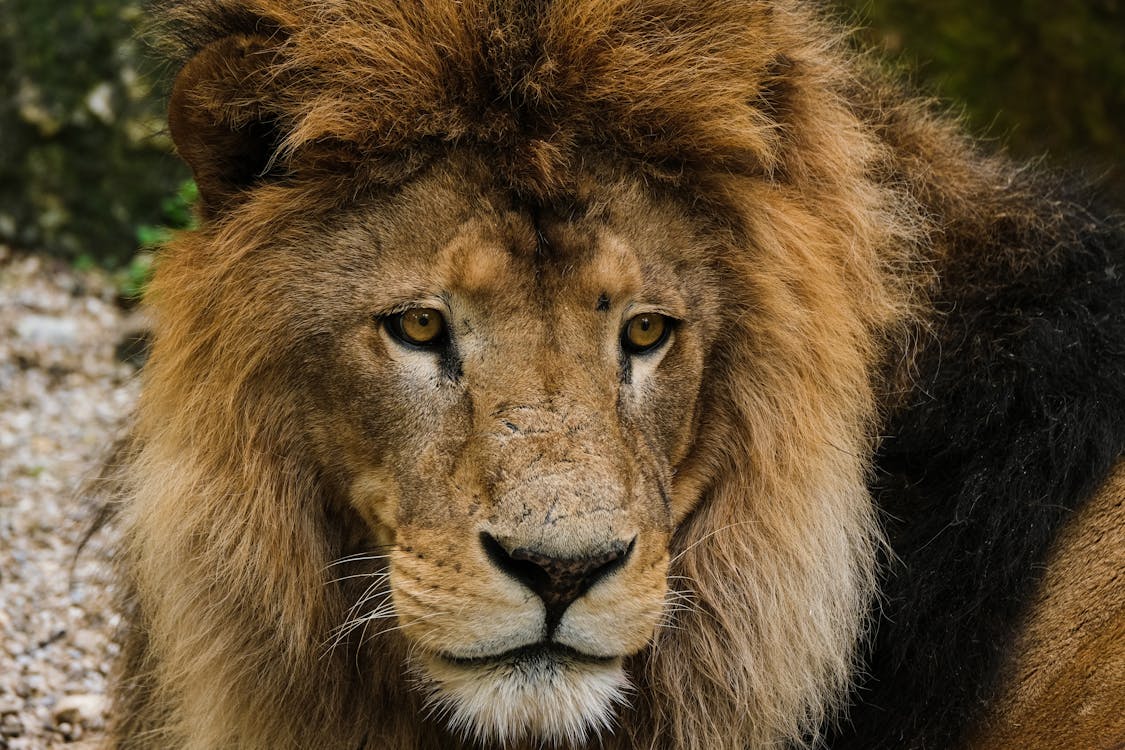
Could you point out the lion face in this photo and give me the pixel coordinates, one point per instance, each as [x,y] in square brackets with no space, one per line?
[510,396]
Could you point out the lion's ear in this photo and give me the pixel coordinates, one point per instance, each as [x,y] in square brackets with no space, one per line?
[221,120]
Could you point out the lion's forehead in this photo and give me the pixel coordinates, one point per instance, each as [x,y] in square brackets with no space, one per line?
[568,268]
[455,231]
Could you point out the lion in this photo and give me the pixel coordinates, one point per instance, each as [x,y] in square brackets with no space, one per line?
[622,375]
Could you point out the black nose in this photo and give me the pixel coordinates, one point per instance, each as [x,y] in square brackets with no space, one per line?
[558,581]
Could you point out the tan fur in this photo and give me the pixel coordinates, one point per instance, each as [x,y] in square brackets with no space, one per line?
[1067,685]
[293,469]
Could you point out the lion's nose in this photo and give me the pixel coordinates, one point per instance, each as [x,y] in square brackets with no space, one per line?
[558,581]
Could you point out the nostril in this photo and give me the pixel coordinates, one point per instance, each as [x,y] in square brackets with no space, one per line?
[558,581]
[527,573]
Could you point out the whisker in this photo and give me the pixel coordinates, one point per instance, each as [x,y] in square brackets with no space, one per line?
[356,575]
[358,557]
[705,537]
[353,620]
[410,623]
[353,617]
[353,614]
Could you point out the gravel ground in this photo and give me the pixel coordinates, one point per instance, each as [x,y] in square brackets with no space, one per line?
[63,397]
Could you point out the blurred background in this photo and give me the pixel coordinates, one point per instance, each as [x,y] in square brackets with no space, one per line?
[86,172]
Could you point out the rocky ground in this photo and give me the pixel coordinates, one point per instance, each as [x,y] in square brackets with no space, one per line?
[63,397]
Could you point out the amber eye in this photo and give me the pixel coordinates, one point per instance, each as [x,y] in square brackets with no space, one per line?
[418,326]
[645,332]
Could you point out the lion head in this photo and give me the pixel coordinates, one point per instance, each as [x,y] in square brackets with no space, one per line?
[518,386]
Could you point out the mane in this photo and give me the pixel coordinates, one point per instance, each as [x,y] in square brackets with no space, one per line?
[757,113]
[678,87]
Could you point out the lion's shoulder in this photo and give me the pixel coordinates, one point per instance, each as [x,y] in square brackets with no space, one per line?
[1012,426]
[1066,683]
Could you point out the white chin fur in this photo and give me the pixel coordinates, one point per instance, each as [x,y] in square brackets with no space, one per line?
[542,700]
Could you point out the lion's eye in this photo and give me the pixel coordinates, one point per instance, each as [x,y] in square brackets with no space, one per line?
[418,326]
[645,332]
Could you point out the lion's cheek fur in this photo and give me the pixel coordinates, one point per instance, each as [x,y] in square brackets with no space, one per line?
[790,436]
[182,525]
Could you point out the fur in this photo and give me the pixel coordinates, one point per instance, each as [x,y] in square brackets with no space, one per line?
[1013,423]
[1063,686]
[851,267]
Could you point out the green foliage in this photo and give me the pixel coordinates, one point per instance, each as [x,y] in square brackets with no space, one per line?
[1042,76]
[85,262]
[177,212]
[84,157]
[132,280]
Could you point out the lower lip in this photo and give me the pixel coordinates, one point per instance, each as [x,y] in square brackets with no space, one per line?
[535,652]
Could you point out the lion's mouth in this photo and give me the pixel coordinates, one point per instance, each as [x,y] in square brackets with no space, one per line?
[541,653]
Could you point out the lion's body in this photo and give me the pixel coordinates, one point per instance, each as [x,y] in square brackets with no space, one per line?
[1065,683]
[338,535]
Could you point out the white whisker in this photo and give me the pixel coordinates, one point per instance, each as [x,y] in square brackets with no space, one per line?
[704,538]
[357,557]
